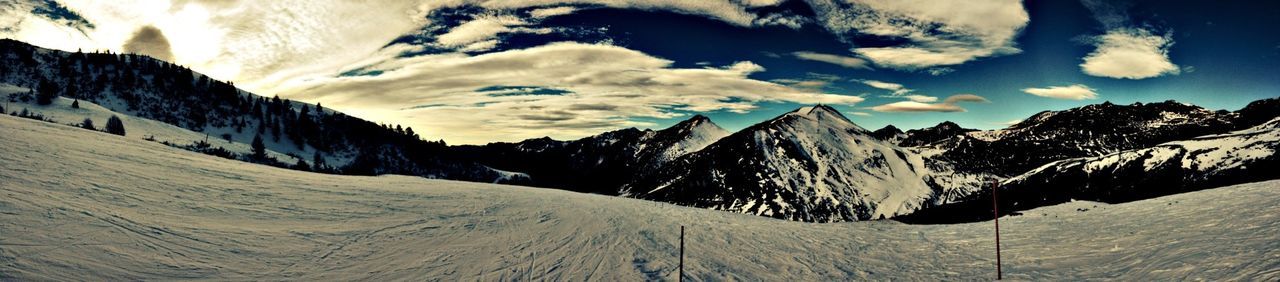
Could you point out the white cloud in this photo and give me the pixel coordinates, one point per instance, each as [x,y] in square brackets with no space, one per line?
[1072,92]
[921,98]
[787,20]
[1130,53]
[861,114]
[844,61]
[947,105]
[896,89]
[941,33]
[629,83]
[479,29]
[551,12]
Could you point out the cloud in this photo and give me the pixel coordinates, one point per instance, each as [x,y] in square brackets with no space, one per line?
[597,87]
[938,33]
[1072,92]
[1131,54]
[813,81]
[1126,51]
[551,12]
[861,114]
[149,41]
[947,105]
[965,98]
[844,61]
[787,20]
[921,98]
[896,89]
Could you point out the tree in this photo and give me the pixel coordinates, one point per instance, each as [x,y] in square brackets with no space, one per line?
[75,104]
[317,161]
[88,124]
[259,149]
[302,165]
[115,126]
[46,93]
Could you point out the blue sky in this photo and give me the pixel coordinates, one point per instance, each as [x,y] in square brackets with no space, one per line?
[476,71]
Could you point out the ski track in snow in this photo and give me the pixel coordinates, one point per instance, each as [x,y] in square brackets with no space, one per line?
[76,205]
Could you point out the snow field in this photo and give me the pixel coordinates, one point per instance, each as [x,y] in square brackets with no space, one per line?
[82,205]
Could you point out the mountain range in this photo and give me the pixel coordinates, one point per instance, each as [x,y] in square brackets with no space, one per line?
[812,164]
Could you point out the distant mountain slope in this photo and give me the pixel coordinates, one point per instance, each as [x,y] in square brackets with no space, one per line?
[597,164]
[1175,167]
[1087,131]
[156,90]
[811,164]
[930,135]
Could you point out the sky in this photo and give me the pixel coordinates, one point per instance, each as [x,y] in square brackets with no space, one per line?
[473,72]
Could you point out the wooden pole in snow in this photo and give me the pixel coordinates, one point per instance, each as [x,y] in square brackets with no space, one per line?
[681,253]
[995,208]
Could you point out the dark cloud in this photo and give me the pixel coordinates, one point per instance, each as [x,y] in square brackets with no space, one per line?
[149,41]
[56,12]
[550,116]
[592,107]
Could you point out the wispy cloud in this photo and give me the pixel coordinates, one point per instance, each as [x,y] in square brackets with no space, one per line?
[844,61]
[948,105]
[597,87]
[940,33]
[894,88]
[1070,92]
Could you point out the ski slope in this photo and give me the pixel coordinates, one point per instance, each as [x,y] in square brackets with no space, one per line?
[82,205]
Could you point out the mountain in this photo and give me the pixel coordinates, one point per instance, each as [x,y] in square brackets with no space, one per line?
[929,135]
[305,136]
[890,134]
[811,164]
[597,164]
[1085,131]
[1174,167]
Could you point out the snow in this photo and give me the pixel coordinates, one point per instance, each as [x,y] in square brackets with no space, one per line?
[888,184]
[60,111]
[505,176]
[700,135]
[82,205]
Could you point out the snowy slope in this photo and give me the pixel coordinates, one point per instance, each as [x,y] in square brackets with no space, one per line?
[811,164]
[80,205]
[1169,168]
[60,111]
[694,134]
[600,163]
[1087,131]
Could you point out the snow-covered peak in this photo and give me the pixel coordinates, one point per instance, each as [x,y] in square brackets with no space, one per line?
[820,114]
[811,164]
[693,135]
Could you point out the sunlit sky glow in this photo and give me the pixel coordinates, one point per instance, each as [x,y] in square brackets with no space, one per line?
[482,71]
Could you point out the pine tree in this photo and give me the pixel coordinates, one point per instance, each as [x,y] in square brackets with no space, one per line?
[88,124]
[259,149]
[47,93]
[302,165]
[317,161]
[115,126]
[75,104]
